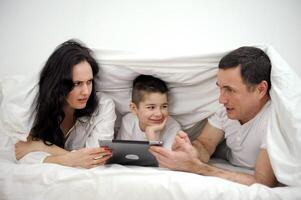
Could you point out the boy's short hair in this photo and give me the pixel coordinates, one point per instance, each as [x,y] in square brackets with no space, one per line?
[143,84]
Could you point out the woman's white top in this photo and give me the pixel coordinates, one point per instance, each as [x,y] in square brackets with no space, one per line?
[86,131]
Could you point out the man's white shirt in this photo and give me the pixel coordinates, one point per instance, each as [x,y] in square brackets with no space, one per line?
[244,141]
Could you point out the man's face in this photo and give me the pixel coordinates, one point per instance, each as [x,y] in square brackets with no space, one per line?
[240,102]
[82,77]
[152,110]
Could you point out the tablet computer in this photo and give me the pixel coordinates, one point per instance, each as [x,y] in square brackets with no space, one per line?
[130,152]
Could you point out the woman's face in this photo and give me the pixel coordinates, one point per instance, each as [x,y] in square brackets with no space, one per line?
[82,77]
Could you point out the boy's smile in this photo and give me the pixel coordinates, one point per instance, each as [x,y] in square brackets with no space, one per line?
[152,110]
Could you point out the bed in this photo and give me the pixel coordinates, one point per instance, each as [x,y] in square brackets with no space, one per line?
[193,98]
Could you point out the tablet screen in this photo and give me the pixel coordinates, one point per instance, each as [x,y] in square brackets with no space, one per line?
[130,152]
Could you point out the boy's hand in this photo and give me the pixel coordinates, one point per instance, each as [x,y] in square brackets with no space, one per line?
[152,132]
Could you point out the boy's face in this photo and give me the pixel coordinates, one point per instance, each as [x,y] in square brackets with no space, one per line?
[152,110]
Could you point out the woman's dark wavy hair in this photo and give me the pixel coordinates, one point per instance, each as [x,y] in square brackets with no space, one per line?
[54,86]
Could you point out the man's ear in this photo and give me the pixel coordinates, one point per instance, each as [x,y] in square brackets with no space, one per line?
[262,88]
[133,108]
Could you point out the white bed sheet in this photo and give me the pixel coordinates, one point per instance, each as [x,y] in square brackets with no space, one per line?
[51,181]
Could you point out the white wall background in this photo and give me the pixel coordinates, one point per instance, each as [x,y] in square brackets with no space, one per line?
[31,29]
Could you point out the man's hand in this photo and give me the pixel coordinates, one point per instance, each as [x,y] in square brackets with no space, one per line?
[182,157]
[152,132]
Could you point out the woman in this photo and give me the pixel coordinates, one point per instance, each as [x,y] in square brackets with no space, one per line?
[69,114]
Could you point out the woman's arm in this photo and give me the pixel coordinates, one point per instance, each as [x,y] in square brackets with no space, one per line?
[23,148]
[85,158]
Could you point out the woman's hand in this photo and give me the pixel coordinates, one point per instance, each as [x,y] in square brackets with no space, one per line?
[85,157]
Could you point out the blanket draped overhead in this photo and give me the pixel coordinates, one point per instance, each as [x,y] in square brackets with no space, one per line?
[193,97]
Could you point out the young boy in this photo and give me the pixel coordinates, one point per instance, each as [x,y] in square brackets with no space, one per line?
[149,118]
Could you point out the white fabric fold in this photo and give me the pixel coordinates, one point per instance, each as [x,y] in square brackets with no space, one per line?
[16,106]
[284,132]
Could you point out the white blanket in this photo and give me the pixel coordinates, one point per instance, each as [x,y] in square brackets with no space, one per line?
[193,98]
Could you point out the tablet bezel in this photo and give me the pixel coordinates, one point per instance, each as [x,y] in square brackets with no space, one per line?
[131,152]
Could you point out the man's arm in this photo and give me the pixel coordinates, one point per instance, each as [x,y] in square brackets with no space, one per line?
[207,141]
[263,172]
[186,160]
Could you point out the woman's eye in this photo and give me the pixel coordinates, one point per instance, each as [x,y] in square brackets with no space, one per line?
[76,83]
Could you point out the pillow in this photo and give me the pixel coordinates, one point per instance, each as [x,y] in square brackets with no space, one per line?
[17,96]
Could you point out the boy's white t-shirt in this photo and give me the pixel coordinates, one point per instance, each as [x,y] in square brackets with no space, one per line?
[130,130]
[244,141]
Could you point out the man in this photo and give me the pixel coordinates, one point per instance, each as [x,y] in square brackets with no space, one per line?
[244,82]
